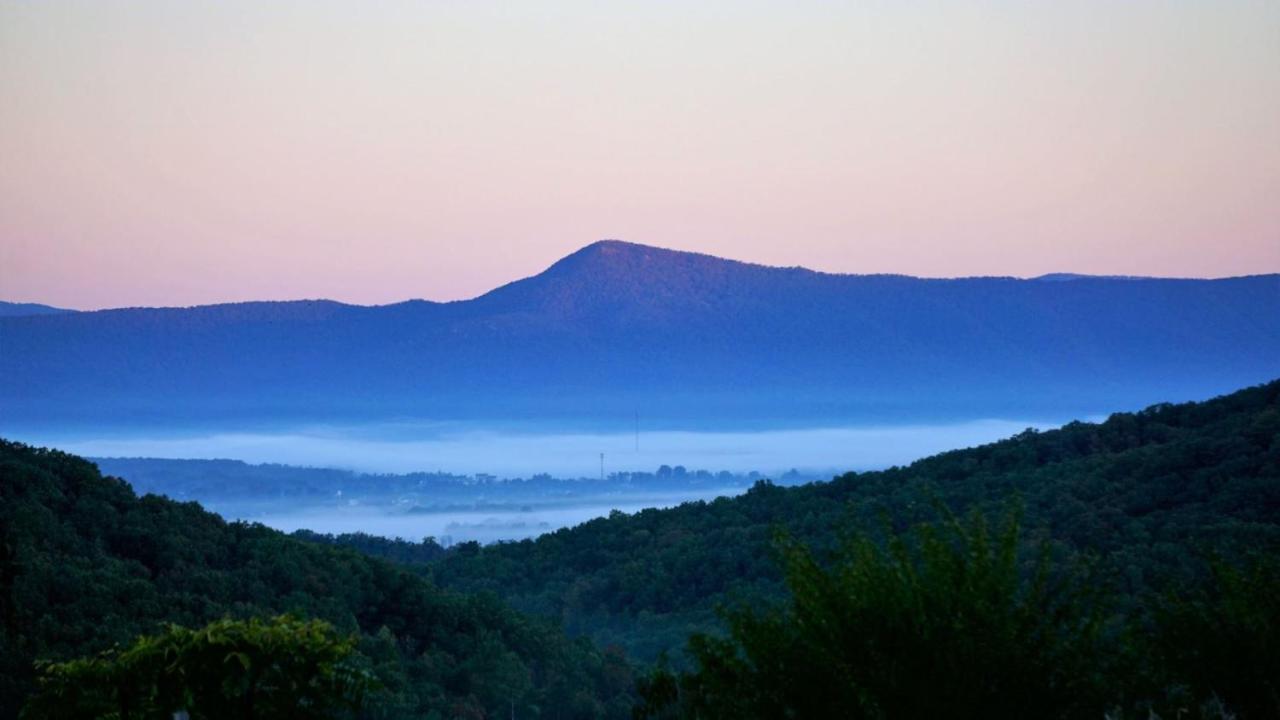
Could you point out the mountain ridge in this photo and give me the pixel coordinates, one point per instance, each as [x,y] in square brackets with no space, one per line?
[594,256]
[26,309]
[617,328]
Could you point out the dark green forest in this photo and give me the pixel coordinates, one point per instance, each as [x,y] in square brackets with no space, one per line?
[965,619]
[1123,568]
[87,565]
[1145,496]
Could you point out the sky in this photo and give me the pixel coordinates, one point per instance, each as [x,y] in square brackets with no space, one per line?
[160,153]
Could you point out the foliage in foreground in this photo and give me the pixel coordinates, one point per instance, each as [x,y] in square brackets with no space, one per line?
[952,620]
[1222,642]
[944,622]
[281,668]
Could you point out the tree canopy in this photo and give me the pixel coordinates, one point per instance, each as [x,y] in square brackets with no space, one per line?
[86,565]
[281,668]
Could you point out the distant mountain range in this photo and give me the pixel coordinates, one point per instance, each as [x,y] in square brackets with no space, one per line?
[10,309]
[683,339]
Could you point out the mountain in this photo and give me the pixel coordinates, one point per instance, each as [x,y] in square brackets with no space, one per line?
[9,309]
[685,339]
[86,564]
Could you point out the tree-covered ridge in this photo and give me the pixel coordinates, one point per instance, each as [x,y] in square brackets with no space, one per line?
[1147,494]
[85,564]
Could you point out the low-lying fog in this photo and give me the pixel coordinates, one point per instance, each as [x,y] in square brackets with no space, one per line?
[493,513]
[454,526]
[403,448]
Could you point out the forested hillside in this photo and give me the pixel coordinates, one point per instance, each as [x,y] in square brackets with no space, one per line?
[1147,496]
[1163,524]
[85,564]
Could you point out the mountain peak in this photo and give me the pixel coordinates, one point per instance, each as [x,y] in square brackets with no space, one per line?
[615,276]
[1069,277]
[605,253]
[615,245]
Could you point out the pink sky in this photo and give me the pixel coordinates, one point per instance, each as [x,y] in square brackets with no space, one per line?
[164,153]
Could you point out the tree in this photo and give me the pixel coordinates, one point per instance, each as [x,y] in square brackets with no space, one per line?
[942,621]
[1222,642]
[279,668]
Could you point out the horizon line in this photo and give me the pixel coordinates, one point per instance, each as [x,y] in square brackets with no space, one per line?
[1054,276]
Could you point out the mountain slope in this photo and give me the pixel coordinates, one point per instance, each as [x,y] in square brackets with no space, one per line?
[10,309]
[1148,494]
[683,338]
[84,563]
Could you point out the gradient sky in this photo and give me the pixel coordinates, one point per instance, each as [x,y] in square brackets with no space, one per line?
[166,153]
